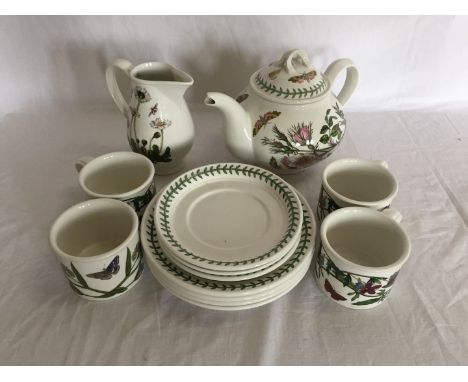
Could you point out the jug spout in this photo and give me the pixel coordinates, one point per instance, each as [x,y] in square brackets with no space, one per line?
[237,131]
[168,80]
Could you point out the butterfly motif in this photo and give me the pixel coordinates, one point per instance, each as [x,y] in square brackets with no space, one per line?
[274,74]
[153,110]
[107,273]
[264,119]
[303,77]
[334,295]
[242,97]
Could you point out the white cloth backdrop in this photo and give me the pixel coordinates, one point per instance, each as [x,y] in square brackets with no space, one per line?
[411,109]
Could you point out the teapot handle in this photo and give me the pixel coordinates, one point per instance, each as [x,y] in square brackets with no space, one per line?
[352,77]
[113,86]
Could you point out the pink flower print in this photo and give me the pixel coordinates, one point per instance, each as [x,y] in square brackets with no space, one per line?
[160,123]
[305,133]
[368,287]
[297,138]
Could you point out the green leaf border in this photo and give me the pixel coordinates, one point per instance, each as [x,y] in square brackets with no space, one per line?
[304,248]
[201,173]
[304,93]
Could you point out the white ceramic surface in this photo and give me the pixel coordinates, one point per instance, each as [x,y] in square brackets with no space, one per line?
[287,118]
[228,216]
[159,124]
[172,275]
[97,244]
[232,276]
[124,176]
[361,253]
[247,303]
[227,301]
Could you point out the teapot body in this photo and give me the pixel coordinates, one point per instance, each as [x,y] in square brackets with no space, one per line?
[288,138]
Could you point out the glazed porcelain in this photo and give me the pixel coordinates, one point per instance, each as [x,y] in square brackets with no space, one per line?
[228,216]
[356,182]
[361,253]
[159,124]
[231,276]
[242,304]
[224,295]
[287,118]
[97,245]
[124,176]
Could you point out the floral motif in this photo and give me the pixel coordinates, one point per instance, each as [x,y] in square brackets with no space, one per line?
[160,123]
[294,163]
[142,94]
[296,93]
[301,134]
[363,290]
[264,119]
[139,203]
[155,152]
[309,76]
[134,112]
[368,287]
[297,146]
[326,205]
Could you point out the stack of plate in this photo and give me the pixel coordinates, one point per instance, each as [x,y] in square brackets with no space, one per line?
[228,237]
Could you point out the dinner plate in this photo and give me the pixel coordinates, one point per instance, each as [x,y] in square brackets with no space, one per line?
[246,304]
[228,216]
[160,264]
[231,276]
[275,290]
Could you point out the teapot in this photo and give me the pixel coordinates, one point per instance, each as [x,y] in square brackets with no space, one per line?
[287,118]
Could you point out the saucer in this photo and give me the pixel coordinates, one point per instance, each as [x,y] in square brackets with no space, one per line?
[228,216]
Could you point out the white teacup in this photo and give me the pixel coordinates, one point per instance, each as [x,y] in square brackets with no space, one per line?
[356,182]
[97,244]
[125,176]
[360,255]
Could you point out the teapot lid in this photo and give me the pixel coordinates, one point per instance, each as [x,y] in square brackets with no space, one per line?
[290,80]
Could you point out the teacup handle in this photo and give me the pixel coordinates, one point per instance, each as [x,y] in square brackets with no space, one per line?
[382,163]
[113,86]
[352,77]
[83,161]
[393,214]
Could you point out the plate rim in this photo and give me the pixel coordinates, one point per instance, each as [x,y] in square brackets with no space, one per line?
[290,198]
[306,246]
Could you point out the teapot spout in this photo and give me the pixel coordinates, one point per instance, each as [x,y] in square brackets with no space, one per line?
[237,125]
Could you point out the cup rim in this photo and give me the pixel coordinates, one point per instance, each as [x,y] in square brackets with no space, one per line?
[366,212]
[382,202]
[85,171]
[67,214]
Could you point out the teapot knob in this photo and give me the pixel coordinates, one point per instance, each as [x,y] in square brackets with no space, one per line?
[288,57]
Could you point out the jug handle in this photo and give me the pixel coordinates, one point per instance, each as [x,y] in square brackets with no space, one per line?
[352,77]
[113,86]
